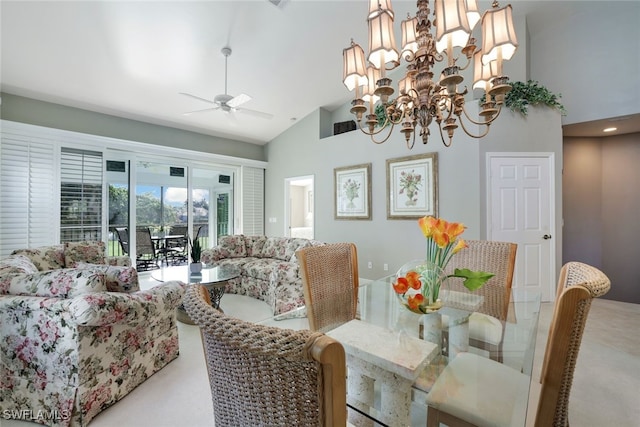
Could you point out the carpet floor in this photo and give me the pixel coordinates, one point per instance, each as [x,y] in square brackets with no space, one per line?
[604,393]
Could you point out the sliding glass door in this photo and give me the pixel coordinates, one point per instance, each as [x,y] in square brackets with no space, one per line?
[161,197]
[212,195]
[168,198]
[118,206]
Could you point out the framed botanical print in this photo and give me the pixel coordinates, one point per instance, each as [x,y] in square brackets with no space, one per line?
[412,186]
[352,192]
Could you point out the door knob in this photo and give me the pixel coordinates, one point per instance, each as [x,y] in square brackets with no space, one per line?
[546,236]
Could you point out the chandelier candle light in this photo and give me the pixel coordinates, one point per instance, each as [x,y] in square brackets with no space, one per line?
[418,285]
[421,100]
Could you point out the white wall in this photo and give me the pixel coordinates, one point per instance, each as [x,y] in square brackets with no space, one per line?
[380,240]
[601,209]
[590,54]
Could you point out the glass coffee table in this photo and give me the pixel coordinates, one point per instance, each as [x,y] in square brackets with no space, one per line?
[214,278]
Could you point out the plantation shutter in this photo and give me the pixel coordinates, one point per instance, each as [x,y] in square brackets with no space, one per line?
[252,201]
[27,193]
[80,195]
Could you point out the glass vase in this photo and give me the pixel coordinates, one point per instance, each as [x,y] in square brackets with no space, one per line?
[432,279]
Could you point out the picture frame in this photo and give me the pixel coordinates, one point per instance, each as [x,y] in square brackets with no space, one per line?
[412,186]
[352,192]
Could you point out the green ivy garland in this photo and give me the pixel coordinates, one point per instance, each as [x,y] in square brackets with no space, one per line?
[533,93]
[381,115]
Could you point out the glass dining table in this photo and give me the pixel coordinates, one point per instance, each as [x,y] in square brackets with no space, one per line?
[394,355]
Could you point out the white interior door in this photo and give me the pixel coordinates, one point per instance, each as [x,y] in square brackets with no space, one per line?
[521,206]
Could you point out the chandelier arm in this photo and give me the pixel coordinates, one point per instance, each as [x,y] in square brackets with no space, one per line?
[488,122]
[413,141]
[402,115]
[385,138]
[442,137]
[448,108]
[366,132]
[387,121]
[393,66]
[482,135]
[466,65]
[410,55]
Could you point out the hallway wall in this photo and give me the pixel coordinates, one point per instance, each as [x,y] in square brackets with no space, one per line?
[601,203]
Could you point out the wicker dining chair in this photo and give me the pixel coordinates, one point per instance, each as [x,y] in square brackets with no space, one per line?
[476,391]
[486,325]
[268,376]
[330,284]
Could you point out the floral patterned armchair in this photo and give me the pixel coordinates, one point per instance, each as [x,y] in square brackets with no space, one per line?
[76,340]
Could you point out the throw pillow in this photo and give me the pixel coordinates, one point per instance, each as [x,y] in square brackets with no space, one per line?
[17,264]
[89,252]
[11,266]
[61,283]
[45,257]
[254,245]
[234,244]
[293,246]
[276,247]
[118,278]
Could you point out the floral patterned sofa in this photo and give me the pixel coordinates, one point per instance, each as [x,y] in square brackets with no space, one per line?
[269,269]
[75,340]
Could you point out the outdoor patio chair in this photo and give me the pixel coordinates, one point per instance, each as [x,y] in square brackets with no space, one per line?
[123,238]
[146,252]
[177,248]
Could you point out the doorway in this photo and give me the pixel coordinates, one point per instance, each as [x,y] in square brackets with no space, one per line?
[521,210]
[299,207]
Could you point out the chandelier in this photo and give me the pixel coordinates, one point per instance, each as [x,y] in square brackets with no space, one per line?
[420,99]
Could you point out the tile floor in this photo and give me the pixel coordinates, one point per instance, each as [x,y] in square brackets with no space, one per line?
[605,390]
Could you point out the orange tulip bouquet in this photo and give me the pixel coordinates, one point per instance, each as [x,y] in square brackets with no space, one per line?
[418,284]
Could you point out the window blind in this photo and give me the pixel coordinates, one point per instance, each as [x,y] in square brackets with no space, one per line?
[252,201]
[80,195]
[27,192]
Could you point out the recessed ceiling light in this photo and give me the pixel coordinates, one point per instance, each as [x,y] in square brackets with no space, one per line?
[609,129]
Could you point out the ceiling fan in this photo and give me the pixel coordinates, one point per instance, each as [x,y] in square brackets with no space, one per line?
[225,102]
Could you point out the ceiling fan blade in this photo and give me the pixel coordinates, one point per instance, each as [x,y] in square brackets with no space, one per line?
[237,101]
[255,113]
[197,97]
[204,110]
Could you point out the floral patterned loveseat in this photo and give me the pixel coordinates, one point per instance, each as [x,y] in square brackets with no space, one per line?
[269,269]
[74,341]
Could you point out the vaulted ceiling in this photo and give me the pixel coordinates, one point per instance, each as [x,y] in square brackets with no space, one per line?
[133,58]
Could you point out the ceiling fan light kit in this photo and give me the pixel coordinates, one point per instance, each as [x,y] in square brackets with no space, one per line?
[421,100]
[225,102]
